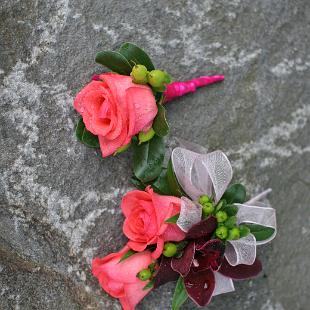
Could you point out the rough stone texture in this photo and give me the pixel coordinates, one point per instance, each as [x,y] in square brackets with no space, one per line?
[59,200]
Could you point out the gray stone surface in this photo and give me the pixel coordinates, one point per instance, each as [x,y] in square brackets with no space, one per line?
[59,200]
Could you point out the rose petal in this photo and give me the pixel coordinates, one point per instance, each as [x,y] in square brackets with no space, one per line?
[165,273]
[204,228]
[241,272]
[183,264]
[200,286]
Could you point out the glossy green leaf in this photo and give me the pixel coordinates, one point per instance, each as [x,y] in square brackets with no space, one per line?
[173,219]
[127,255]
[85,136]
[135,55]
[231,210]
[180,294]
[260,232]
[149,285]
[161,185]
[138,184]
[148,158]
[115,61]
[160,124]
[235,193]
[175,188]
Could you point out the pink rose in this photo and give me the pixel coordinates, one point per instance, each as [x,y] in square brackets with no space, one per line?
[115,109]
[119,279]
[145,213]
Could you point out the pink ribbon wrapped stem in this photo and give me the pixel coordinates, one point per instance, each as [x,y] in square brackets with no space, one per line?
[179,89]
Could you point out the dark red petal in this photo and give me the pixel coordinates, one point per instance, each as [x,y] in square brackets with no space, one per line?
[165,273]
[210,255]
[200,286]
[183,264]
[204,228]
[241,272]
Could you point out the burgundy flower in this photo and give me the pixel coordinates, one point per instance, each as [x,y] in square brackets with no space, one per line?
[200,260]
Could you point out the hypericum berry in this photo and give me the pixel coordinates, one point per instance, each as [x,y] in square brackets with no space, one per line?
[158,79]
[204,199]
[221,232]
[234,233]
[170,249]
[146,136]
[207,209]
[144,274]
[244,230]
[139,74]
[221,216]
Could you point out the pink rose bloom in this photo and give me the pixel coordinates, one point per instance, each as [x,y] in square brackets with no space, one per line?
[115,109]
[119,279]
[145,213]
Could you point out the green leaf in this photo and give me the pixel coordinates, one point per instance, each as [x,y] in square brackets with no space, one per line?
[260,232]
[149,285]
[231,222]
[136,55]
[127,255]
[181,245]
[115,61]
[235,193]
[85,136]
[161,185]
[231,210]
[160,124]
[180,295]
[172,219]
[138,184]
[175,188]
[148,158]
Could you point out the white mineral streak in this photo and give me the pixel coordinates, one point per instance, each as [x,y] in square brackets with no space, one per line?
[289,66]
[268,143]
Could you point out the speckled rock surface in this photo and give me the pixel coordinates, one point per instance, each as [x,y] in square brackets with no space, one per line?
[59,200]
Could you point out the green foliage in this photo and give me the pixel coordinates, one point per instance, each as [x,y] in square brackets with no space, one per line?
[85,136]
[148,159]
[160,124]
[127,255]
[180,294]
[136,55]
[235,193]
[115,61]
[260,232]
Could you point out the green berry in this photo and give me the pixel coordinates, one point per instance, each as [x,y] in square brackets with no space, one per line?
[231,222]
[221,232]
[158,79]
[170,249]
[146,136]
[139,74]
[207,209]
[234,234]
[244,231]
[221,216]
[144,274]
[204,199]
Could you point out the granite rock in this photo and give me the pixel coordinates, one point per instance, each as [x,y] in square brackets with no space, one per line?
[59,201]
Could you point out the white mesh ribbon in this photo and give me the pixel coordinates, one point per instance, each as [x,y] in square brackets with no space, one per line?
[201,174]
[182,162]
[222,284]
[259,214]
[190,214]
[241,251]
[218,168]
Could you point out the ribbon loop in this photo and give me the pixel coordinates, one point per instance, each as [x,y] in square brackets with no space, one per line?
[190,214]
[222,284]
[241,251]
